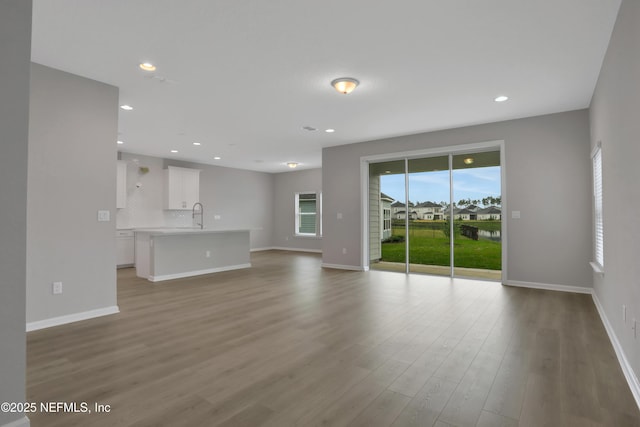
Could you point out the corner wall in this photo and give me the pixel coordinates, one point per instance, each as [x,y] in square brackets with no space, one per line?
[15,51]
[547,175]
[72,174]
[614,122]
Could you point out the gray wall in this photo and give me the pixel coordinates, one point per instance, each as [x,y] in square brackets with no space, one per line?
[72,174]
[614,121]
[547,173]
[287,184]
[15,51]
[242,199]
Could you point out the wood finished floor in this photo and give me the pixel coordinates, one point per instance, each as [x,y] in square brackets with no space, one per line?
[289,343]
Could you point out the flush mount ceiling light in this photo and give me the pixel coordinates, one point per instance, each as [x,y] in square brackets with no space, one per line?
[345,85]
[292,165]
[147,66]
[501,98]
[126,107]
[468,161]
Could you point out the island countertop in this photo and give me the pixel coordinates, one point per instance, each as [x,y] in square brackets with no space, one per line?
[159,231]
[172,253]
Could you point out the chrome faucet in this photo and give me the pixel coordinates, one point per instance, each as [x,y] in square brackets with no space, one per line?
[200,212]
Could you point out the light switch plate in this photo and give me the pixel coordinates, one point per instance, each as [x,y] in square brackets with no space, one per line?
[515,214]
[104,216]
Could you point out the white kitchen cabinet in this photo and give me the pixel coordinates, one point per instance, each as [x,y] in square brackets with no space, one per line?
[121,185]
[182,188]
[124,248]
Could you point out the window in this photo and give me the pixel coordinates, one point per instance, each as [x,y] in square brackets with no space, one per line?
[308,208]
[598,232]
[386,225]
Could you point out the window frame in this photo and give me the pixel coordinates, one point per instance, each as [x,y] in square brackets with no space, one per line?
[317,214]
[598,221]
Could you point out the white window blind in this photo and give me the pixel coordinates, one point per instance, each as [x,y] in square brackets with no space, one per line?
[307,214]
[597,207]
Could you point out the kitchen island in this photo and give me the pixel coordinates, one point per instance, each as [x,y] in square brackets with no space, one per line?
[173,253]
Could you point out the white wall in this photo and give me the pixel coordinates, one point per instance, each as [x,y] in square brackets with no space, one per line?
[614,122]
[72,174]
[242,199]
[287,184]
[15,51]
[547,173]
[145,203]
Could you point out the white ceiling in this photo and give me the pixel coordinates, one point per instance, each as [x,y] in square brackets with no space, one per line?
[243,77]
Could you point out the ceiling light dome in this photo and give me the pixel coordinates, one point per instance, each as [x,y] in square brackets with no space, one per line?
[147,66]
[345,85]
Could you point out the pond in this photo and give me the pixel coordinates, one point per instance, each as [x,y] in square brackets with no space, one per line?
[493,235]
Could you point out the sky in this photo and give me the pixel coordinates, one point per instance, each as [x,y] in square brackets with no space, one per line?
[474,183]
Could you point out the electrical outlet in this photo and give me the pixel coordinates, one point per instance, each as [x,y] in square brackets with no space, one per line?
[344,251]
[56,288]
[208,254]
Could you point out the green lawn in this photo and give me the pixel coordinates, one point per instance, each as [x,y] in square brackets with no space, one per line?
[428,245]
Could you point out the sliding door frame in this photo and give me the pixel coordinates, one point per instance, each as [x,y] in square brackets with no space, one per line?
[450,151]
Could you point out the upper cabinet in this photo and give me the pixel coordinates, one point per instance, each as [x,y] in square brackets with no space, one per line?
[182,188]
[121,185]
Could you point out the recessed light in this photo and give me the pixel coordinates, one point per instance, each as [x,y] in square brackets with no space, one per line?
[147,66]
[217,158]
[126,107]
[501,98]
[174,151]
[196,143]
[292,165]
[329,130]
[120,142]
[387,171]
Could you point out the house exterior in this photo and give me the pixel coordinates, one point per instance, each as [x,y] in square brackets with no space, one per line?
[385,219]
[490,213]
[429,211]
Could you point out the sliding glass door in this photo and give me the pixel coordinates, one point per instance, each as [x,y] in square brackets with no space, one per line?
[429,192]
[437,215]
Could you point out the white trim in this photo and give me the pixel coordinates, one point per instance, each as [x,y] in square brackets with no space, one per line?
[345,267]
[197,272]
[627,369]
[550,287]
[268,248]
[283,248]
[70,318]
[22,422]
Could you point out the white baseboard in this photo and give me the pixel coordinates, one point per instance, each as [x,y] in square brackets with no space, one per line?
[345,267]
[197,272]
[550,287]
[282,248]
[22,422]
[70,318]
[627,369]
[261,249]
